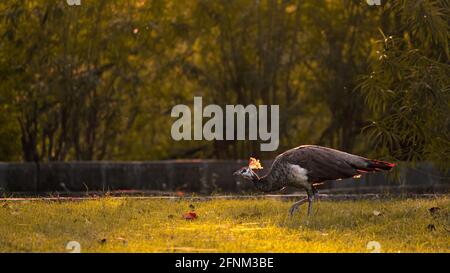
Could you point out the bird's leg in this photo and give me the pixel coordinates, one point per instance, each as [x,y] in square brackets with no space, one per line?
[311,195]
[315,192]
[296,205]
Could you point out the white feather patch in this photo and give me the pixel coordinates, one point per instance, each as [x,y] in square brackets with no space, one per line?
[299,173]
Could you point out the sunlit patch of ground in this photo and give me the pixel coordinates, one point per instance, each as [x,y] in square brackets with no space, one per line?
[263,225]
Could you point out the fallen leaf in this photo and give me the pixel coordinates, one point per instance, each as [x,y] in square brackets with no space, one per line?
[434,210]
[376,213]
[190,215]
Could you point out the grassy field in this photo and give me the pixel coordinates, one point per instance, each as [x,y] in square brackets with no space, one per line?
[252,225]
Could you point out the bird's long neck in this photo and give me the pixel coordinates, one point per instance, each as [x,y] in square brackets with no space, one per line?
[264,183]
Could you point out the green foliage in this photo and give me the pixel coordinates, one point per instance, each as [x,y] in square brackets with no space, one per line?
[9,137]
[408,88]
[97,81]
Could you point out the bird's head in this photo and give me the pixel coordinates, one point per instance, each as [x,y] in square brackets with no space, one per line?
[247,172]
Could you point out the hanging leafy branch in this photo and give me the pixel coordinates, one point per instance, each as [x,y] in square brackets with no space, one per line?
[408,90]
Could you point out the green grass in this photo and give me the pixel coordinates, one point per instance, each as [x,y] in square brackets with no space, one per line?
[251,225]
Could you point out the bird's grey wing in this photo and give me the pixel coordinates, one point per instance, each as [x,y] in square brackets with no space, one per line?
[323,163]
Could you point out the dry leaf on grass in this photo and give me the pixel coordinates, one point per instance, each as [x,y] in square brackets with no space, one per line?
[190,215]
[434,210]
[376,212]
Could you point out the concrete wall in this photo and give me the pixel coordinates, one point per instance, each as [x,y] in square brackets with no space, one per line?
[202,176]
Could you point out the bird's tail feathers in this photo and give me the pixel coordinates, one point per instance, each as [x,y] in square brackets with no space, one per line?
[378,165]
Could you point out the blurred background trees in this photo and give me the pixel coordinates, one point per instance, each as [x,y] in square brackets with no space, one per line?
[98,81]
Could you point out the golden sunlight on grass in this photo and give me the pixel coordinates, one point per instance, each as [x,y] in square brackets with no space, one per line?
[255,225]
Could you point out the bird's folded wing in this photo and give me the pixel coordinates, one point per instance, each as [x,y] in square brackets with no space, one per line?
[324,163]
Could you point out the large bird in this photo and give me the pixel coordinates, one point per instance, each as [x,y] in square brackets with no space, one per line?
[307,166]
